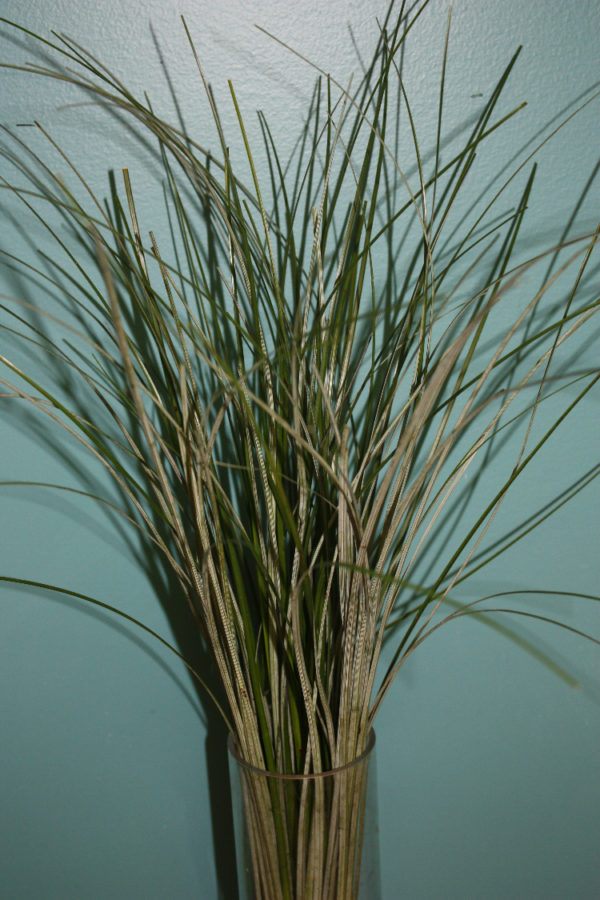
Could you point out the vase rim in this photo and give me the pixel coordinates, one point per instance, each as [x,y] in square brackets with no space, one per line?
[233,750]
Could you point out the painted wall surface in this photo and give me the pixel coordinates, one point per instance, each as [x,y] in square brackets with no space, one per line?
[112,770]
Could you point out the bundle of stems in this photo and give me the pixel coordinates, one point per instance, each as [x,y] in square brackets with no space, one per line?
[296,389]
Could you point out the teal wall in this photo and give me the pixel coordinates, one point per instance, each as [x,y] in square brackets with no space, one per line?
[112,774]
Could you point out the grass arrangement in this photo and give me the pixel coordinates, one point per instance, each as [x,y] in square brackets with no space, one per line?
[295,394]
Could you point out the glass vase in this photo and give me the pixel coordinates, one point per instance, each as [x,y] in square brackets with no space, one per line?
[312,837]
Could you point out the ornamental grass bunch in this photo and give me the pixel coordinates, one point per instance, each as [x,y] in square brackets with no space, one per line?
[297,391]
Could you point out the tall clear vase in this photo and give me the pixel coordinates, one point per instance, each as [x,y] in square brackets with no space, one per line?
[311,837]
